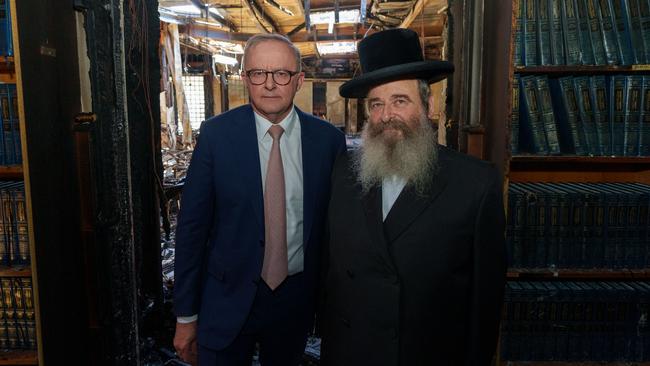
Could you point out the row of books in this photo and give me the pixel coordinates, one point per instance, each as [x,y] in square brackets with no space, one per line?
[578,225]
[14,239]
[602,115]
[17,320]
[6,43]
[10,146]
[581,32]
[576,321]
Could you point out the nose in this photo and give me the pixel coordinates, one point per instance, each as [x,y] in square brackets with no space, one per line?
[269,84]
[386,112]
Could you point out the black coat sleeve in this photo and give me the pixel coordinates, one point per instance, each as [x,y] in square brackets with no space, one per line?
[488,278]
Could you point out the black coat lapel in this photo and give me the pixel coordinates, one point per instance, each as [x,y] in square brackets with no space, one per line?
[409,205]
[374,219]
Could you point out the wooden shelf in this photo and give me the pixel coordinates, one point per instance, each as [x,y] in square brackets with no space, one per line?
[7,70]
[575,274]
[582,69]
[15,272]
[27,357]
[566,363]
[11,172]
[533,168]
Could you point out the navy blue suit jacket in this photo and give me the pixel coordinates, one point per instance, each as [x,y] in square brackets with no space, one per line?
[220,232]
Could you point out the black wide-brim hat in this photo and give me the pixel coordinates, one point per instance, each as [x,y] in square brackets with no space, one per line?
[390,55]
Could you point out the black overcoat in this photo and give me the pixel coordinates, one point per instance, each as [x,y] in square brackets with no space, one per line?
[423,287]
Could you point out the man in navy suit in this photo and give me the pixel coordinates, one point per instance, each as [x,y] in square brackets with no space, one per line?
[251,220]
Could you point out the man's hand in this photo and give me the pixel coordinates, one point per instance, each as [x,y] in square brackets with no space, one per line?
[185,342]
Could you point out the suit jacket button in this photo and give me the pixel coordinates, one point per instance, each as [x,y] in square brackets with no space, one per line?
[350,273]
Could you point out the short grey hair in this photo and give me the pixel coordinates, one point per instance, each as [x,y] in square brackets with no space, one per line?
[267,37]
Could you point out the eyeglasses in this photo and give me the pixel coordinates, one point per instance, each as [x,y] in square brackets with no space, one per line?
[280,77]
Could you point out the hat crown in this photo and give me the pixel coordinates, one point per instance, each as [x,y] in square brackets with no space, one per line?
[389,48]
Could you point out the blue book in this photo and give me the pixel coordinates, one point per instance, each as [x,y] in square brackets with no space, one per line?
[586,48]
[571,32]
[546,115]
[5,26]
[644,144]
[622,29]
[633,110]
[633,20]
[570,129]
[5,105]
[617,112]
[595,27]
[600,89]
[519,9]
[15,122]
[644,11]
[557,34]
[609,32]
[532,136]
[582,86]
[544,32]
[9,50]
[530,33]
[514,120]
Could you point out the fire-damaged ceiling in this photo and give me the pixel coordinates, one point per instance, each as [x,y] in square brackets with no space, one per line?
[325,31]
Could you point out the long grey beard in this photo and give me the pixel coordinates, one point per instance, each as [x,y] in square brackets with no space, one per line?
[414,158]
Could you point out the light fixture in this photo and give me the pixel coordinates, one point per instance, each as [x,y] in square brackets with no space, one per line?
[327,17]
[226,60]
[329,48]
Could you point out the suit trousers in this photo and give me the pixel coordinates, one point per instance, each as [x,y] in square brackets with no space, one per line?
[275,322]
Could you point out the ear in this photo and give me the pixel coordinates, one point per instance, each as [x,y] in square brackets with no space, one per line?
[301,79]
[431,107]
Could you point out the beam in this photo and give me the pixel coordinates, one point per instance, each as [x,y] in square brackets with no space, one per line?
[266,23]
[279,7]
[220,35]
[307,10]
[417,9]
[296,30]
[206,8]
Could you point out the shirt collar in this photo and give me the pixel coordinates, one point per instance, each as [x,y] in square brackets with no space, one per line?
[288,124]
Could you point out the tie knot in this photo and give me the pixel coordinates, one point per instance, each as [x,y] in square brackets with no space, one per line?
[276,131]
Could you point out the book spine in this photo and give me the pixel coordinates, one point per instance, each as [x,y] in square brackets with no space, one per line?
[644,11]
[644,146]
[618,105]
[570,32]
[633,19]
[514,120]
[622,29]
[5,104]
[547,117]
[529,120]
[585,111]
[530,34]
[557,36]
[586,47]
[595,27]
[518,55]
[599,87]
[608,32]
[544,32]
[576,126]
[633,126]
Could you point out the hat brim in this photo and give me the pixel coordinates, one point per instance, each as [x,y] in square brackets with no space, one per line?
[431,71]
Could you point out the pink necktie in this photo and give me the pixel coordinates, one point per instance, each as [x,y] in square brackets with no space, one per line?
[275,267]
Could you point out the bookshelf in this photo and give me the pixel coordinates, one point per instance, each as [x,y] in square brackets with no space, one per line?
[575,167]
[22,295]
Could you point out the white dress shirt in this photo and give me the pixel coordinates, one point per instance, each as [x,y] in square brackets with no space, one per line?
[391,187]
[291,151]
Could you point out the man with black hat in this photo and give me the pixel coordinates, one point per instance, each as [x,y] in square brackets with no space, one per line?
[416,263]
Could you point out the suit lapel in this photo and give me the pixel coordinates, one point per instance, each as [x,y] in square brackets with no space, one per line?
[374,220]
[246,142]
[310,173]
[409,205]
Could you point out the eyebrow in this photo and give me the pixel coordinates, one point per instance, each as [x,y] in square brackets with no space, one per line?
[393,97]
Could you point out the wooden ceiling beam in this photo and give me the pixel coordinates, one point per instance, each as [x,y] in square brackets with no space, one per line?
[417,9]
[265,22]
[220,35]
